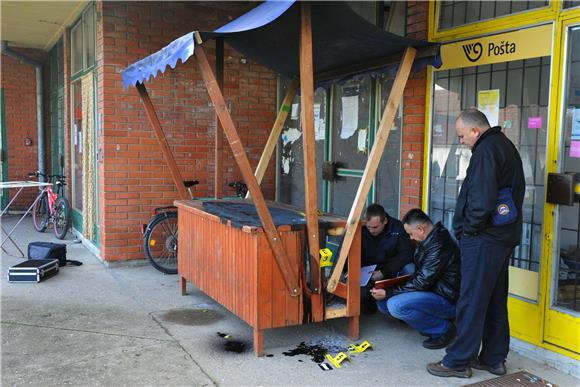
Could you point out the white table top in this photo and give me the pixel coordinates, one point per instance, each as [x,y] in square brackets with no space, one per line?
[22,184]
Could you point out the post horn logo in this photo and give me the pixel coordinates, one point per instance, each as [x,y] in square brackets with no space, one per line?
[473,51]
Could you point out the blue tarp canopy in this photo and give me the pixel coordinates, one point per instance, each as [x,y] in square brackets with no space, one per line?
[343,43]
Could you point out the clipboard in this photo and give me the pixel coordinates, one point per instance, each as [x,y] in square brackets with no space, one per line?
[390,282]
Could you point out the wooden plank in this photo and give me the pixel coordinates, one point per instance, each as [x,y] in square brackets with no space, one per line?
[246,170]
[335,311]
[258,342]
[167,155]
[219,139]
[373,163]
[309,147]
[353,282]
[275,133]
[353,327]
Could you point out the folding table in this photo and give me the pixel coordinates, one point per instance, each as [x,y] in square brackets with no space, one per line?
[20,185]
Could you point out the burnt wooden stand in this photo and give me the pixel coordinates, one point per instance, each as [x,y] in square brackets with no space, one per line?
[235,266]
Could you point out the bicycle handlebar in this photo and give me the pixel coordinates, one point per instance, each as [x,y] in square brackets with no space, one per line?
[58,178]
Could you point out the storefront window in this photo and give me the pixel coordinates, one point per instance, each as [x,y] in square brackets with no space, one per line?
[458,13]
[77,147]
[568,266]
[518,94]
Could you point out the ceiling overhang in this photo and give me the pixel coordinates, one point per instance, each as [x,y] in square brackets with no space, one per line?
[37,24]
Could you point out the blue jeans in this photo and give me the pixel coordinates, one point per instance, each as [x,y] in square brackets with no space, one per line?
[482,316]
[427,312]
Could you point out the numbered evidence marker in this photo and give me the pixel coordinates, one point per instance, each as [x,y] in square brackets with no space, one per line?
[337,359]
[325,257]
[360,348]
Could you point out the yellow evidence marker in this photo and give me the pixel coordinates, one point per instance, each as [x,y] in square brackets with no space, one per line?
[360,348]
[325,257]
[337,359]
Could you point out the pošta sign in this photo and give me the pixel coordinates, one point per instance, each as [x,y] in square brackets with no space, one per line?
[523,44]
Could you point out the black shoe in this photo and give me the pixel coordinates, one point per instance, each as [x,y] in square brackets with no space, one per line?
[438,369]
[442,341]
[498,369]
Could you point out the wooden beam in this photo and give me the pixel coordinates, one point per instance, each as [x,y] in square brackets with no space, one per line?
[219,139]
[167,155]
[275,133]
[373,163]
[243,163]
[309,148]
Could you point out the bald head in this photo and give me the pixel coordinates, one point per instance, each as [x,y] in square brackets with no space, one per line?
[470,125]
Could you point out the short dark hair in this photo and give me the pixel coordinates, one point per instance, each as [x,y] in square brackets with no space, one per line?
[474,117]
[416,215]
[376,210]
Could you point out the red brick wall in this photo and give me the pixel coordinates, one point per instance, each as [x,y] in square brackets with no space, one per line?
[132,174]
[414,115]
[19,83]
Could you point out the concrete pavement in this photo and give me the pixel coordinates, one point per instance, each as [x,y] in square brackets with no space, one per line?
[118,326]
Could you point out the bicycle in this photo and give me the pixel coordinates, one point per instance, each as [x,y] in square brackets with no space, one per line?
[52,207]
[160,233]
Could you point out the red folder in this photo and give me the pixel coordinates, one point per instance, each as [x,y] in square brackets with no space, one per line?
[387,283]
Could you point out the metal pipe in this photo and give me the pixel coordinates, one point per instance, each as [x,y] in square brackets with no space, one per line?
[39,101]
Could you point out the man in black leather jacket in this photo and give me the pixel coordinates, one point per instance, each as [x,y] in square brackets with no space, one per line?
[427,301]
[486,243]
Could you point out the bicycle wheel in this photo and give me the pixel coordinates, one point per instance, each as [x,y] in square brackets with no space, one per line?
[41,213]
[61,217]
[160,242]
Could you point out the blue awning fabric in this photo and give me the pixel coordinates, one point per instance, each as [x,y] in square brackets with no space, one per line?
[270,35]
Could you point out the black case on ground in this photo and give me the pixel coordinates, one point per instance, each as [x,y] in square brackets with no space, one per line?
[47,250]
[33,270]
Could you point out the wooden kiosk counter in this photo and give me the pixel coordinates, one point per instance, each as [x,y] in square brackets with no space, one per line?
[262,271]
[232,263]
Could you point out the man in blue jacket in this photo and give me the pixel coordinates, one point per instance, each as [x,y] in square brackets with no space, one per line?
[386,245]
[427,301]
[487,223]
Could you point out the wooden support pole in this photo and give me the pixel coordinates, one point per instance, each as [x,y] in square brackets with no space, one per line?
[309,147]
[275,133]
[373,163]
[243,163]
[169,160]
[218,144]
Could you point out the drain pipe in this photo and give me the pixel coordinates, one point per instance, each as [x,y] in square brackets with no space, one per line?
[39,101]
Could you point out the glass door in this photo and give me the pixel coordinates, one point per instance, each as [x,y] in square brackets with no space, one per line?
[562,317]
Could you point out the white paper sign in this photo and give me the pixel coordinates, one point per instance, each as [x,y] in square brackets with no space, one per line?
[488,103]
[349,116]
[362,141]
[319,124]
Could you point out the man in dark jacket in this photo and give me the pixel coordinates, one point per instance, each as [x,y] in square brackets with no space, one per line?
[427,302]
[386,245]
[488,233]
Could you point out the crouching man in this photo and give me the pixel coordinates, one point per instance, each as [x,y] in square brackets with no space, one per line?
[427,301]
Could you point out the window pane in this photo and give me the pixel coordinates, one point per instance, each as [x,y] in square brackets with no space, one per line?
[89,36]
[77,48]
[458,13]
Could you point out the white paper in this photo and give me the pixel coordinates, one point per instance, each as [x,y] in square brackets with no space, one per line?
[319,124]
[362,141]
[290,136]
[349,116]
[80,144]
[294,113]
[365,274]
